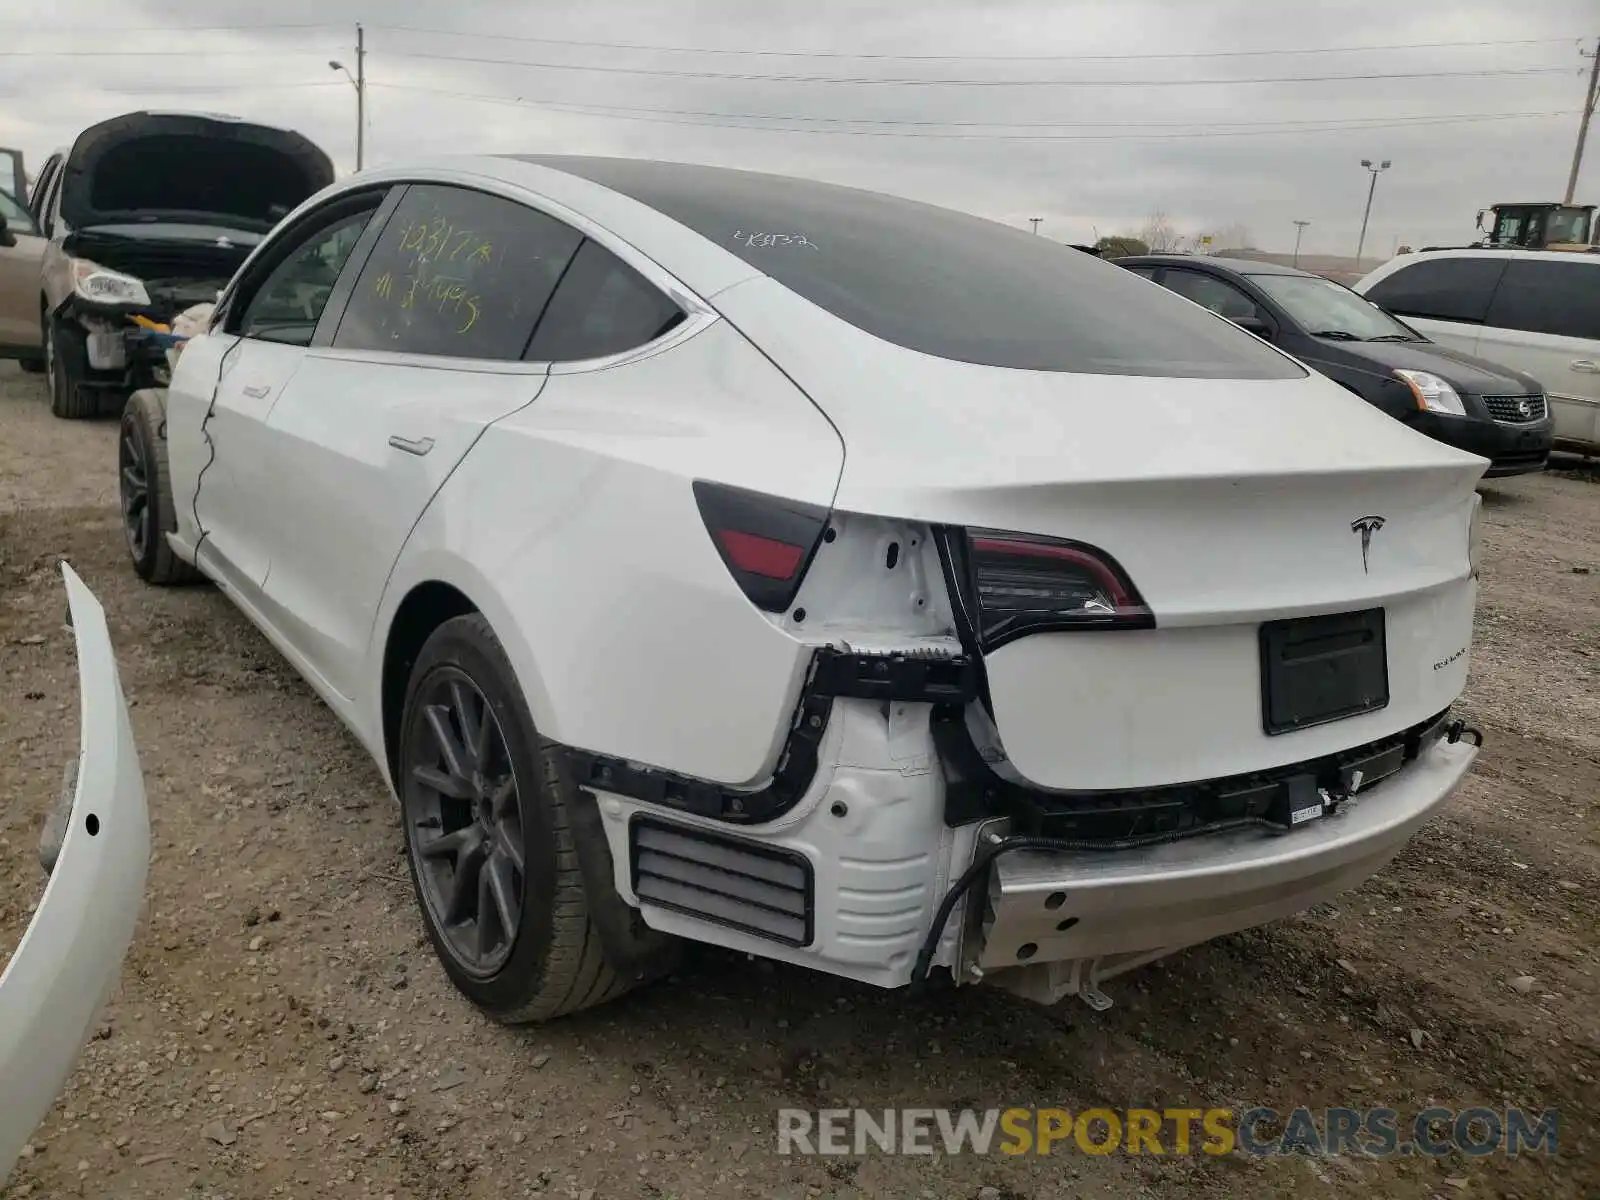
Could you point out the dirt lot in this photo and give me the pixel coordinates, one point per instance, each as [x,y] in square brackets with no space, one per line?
[282,1030]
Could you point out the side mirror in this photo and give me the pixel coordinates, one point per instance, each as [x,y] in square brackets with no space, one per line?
[7,238]
[1256,326]
[1480,218]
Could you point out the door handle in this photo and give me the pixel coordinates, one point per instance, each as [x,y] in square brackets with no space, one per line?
[258,391]
[417,446]
[1587,365]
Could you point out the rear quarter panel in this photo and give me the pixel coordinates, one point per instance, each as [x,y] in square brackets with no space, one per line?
[628,635]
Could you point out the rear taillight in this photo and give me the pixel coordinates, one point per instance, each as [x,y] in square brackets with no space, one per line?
[1020,583]
[766,543]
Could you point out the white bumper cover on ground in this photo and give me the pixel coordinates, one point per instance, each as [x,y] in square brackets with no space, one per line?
[69,959]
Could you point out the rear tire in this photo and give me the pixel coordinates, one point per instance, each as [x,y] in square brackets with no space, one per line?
[145,490]
[504,798]
[66,362]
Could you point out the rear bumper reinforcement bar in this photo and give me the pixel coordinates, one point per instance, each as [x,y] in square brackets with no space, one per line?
[929,677]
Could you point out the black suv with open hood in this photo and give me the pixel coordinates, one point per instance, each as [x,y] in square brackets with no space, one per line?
[1468,402]
[148,214]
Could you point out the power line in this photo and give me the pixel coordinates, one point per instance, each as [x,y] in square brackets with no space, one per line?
[171,89]
[266,27]
[1353,122]
[753,77]
[675,117]
[856,55]
[162,53]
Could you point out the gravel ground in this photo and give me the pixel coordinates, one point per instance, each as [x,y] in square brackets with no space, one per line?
[282,1030]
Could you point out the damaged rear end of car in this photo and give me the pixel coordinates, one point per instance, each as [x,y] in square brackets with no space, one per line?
[1125,630]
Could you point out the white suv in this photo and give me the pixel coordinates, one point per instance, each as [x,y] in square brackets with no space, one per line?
[1535,311]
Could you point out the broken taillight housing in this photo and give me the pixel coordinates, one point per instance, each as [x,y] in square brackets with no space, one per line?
[766,542]
[1022,583]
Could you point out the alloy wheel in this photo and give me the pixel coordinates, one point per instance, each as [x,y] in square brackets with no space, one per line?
[464,817]
[134,488]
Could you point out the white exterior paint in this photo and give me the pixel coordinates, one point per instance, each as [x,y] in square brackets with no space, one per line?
[68,961]
[558,500]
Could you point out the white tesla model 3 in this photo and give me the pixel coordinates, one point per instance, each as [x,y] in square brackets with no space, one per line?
[710,555]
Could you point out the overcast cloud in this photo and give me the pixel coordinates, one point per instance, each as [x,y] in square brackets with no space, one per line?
[1086,159]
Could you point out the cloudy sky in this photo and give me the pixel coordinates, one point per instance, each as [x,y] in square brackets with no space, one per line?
[1089,114]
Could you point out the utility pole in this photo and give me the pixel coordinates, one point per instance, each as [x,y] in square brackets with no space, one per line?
[1299,228]
[359,82]
[1035,222]
[1589,99]
[1373,187]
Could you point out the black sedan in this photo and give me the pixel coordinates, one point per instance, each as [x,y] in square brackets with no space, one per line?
[1468,402]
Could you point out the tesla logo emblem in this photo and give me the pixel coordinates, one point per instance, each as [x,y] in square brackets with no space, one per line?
[1366,527]
[1524,409]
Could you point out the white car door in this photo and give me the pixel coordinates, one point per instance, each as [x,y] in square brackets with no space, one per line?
[427,354]
[1545,321]
[1445,297]
[276,318]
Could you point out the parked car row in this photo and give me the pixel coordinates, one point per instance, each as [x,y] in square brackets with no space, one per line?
[715,556]
[143,216]
[1494,351]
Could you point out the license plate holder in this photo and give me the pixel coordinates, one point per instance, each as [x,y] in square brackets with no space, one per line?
[1320,669]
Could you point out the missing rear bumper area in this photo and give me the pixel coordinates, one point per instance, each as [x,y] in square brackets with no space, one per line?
[910,676]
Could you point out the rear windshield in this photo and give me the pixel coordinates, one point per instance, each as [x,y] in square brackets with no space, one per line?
[942,282]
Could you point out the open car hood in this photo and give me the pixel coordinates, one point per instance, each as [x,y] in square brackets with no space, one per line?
[196,167]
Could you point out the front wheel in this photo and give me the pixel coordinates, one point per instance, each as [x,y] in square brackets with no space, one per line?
[66,363]
[144,487]
[494,839]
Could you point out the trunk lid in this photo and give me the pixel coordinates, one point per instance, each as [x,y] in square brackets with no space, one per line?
[1227,502]
[162,166]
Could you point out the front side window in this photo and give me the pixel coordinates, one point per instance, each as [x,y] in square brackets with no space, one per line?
[1324,308]
[940,282]
[458,274]
[1442,289]
[1210,292]
[290,301]
[602,307]
[1560,298]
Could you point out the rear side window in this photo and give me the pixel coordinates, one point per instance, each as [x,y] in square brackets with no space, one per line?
[1561,298]
[602,307]
[941,282]
[458,274]
[1443,289]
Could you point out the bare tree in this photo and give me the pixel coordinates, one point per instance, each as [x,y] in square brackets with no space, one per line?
[1160,234]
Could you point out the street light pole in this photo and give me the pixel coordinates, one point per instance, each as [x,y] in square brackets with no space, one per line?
[1299,228]
[1035,223]
[1371,188]
[359,82]
[1589,101]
